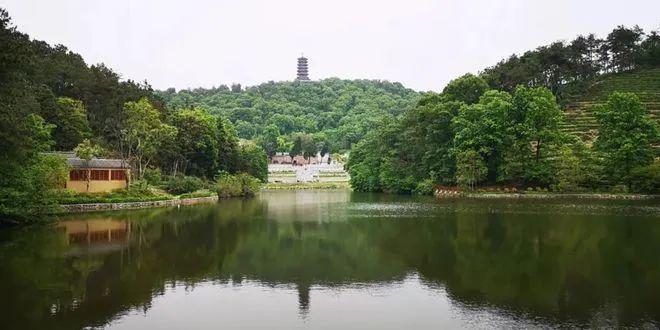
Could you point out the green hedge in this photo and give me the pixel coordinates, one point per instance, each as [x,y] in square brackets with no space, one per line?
[238,185]
[120,196]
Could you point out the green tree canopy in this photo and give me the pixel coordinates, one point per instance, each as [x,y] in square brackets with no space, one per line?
[625,136]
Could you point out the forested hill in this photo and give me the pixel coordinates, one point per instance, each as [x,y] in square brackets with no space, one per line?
[341,110]
[643,82]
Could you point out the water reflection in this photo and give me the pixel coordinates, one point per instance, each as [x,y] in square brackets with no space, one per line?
[384,257]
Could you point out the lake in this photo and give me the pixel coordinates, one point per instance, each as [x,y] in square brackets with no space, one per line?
[335,259]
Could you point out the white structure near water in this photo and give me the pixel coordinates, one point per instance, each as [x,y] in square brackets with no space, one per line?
[320,172]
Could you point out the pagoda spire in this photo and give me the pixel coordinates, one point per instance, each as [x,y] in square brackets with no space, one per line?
[302,73]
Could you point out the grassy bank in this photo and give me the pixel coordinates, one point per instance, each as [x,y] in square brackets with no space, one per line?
[126,196]
[306,185]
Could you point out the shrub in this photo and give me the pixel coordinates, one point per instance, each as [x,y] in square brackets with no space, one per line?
[153,176]
[426,187]
[140,187]
[184,184]
[29,192]
[238,185]
[646,179]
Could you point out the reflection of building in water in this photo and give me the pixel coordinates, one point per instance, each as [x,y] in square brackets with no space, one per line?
[303,300]
[96,235]
[304,205]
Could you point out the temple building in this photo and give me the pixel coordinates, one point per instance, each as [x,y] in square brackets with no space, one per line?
[97,175]
[302,69]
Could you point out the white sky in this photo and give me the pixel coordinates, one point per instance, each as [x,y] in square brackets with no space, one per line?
[420,43]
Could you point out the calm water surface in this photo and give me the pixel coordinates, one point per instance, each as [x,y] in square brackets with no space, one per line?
[338,260]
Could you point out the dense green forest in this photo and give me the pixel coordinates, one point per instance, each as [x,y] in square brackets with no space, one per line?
[506,126]
[51,100]
[336,112]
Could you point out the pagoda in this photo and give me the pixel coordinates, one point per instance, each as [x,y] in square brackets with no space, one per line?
[302,69]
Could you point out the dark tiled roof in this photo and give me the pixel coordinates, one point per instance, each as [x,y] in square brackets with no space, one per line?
[96,163]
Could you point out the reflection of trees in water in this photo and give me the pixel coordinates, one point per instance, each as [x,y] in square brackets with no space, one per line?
[553,267]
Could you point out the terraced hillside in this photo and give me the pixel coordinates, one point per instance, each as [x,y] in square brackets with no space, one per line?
[645,83]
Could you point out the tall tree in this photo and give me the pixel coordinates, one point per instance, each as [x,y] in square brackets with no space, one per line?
[197,142]
[622,44]
[269,140]
[70,122]
[625,136]
[227,145]
[143,134]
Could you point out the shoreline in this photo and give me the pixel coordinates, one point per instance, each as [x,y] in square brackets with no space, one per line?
[307,185]
[593,196]
[92,207]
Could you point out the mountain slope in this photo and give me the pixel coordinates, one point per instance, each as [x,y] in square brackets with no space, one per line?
[645,83]
[342,109]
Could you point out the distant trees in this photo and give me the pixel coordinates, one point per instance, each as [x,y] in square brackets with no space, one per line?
[506,138]
[566,68]
[498,138]
[467,89]
[343,110]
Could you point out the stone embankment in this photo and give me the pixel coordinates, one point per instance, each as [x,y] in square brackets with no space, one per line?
[75,208]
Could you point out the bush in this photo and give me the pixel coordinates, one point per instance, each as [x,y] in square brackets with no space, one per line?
[426,187]
[140,187]
[153,176]
[29,192]
[184,184]
[646,179]
[117,196]
[239,185]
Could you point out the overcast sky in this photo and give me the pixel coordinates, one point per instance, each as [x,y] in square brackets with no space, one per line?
[420,43]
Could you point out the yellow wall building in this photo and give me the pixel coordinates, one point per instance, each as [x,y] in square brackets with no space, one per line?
[97,175]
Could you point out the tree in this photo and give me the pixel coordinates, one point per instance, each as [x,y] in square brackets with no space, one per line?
[308,147]
[197,142]
[470,169]
[622,44]
[625,136]
[297,147]
[87,150]
[533,126]
[227,141]
[269,140]
[484,128]
[70,122]
[143,134]
[467,88]
[253,160]
[649,54]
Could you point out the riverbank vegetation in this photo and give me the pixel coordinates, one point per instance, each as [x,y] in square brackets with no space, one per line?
[51,100]
[505,127]
[239,185]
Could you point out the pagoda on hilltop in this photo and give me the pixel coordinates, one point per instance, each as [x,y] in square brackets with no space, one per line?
[302,69]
